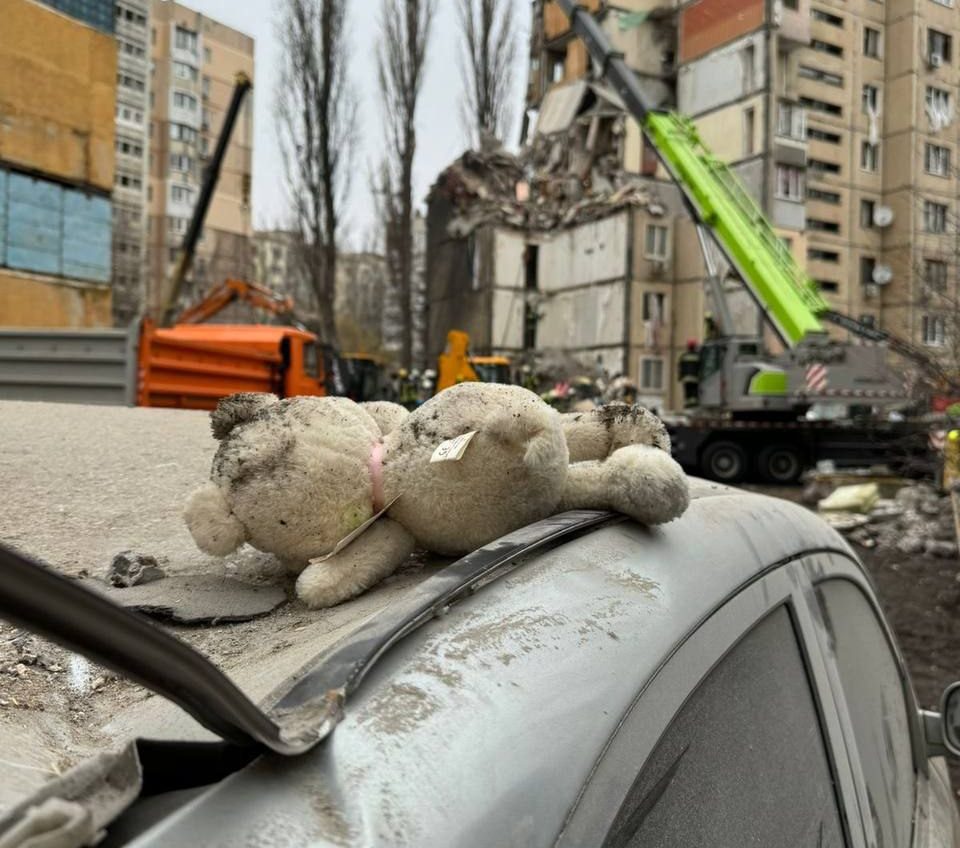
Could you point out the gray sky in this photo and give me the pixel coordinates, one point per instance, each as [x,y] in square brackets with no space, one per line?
[439,133]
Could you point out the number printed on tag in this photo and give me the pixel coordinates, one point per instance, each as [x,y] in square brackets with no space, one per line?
[452,449]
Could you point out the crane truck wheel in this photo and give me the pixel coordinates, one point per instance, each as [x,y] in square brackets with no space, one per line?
[725,462]
[780,464]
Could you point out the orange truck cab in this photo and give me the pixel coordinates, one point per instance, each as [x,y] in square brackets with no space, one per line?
[192,366]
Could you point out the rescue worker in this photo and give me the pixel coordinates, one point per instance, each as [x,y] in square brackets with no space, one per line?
[689,368]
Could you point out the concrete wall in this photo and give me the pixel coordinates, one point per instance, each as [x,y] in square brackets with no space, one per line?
[31,300]
[707,24]
[721,77]
[590,253]
[57,93]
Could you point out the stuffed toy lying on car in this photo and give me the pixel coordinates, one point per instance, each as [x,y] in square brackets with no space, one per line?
[299,477]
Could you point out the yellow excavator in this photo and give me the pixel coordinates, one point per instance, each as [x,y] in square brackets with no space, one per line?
[456,365]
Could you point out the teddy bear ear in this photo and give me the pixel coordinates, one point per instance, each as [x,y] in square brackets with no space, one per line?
[215,529]
[236,409]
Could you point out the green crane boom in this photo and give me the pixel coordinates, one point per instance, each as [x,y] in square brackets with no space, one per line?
[715,198]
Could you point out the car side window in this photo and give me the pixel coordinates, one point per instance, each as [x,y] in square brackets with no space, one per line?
[873,689]
[744,762]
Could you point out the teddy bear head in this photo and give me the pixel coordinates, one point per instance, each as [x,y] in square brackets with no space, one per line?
[291,477]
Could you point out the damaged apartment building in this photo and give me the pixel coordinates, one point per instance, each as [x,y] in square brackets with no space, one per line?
[837,116]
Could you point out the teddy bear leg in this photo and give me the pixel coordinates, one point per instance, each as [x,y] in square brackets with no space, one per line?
[640,481]
[600,432]
[363,563]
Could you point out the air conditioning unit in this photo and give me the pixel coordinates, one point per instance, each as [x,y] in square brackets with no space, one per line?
[935,60]
[882,274]
[882,216]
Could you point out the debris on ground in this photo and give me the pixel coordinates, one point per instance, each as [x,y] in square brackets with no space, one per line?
[916,520]
[129,568]
[196,598]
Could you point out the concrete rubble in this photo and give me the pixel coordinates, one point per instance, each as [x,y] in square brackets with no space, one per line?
[916,520]
[569,176]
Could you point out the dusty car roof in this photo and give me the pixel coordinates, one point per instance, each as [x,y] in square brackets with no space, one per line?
[521,683]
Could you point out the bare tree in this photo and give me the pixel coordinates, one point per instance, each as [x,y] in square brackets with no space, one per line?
[405,31]
[317,122]
[488,32]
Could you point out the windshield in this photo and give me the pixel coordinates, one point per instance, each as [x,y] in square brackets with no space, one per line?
[492,372]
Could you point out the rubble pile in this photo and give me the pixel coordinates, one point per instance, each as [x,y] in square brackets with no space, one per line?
[916,520]
[544,187]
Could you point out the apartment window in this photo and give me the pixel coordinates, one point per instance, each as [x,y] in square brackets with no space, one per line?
[181,162]
[831,286]
[748,67]
[867,266]
[867,210]
[871,42]
[815,254]
[651,374]
[128,181]
[789,183]
[935,274]
[820,75]
[178,225]
[131,82]
[129,148]
[933,330]
[205,119]
[827,47]
[815,134]
[831,197]
[181,132]
[936,159]
[654,306]
[748,131]
[181,70]
[132,49]
[791,120]
[182,100]
[939,44]
[655,243]
[869,156]
[207,55]
[938,100]
[204,146]
[205,87]
[869,101]
[181,194]
[825,17]
[818,166]
[815,105]
[185,39]
[934,217]
[821,226]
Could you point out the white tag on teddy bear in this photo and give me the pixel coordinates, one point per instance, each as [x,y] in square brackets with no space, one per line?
[452,449]
[346,540]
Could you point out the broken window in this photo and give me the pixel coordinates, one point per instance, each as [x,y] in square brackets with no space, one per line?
[871,43]
[934,217]
[935,274]
[748,131]
[651,374]
[789,182]
[938,46]
[933,330]
[791,120]
[820,75]
[867,266]
[870,100]
[869,156]
[748,67]
[654,304]
[867,209]
[936,160]
[655,243]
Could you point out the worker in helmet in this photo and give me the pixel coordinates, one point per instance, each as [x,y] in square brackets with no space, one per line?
[689,371]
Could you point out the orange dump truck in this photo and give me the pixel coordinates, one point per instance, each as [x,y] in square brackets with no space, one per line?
[192,366]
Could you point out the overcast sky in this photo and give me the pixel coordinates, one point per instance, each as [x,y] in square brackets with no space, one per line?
[439,133]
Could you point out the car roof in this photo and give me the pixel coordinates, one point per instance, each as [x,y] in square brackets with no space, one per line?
[457,727]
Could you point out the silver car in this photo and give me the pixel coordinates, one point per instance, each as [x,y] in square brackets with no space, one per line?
[725,680]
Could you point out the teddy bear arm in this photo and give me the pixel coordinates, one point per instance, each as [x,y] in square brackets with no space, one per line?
[366,561]
[640,481]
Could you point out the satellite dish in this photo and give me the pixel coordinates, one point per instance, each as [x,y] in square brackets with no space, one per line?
[882,216]
[882,274]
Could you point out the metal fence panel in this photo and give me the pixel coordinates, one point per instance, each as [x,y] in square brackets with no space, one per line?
[69,366]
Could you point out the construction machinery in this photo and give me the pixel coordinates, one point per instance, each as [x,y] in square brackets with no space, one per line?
[456,365]
[751,405]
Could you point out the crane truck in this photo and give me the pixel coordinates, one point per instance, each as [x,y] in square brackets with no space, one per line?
[750,417]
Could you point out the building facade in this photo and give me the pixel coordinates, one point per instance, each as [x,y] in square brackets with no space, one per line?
[58,70]
[837,115]
[195,63]
[132,149]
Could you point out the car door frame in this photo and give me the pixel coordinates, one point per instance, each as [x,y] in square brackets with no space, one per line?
[833,565]
[660,699]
